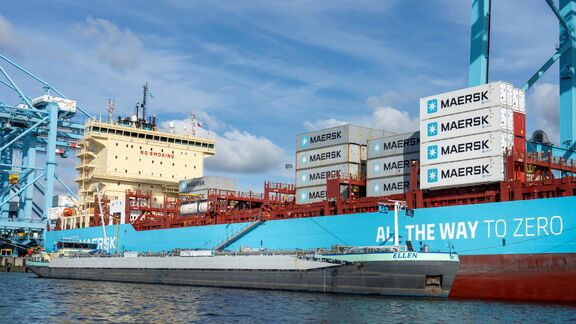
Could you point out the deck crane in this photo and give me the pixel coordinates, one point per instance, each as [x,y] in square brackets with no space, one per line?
[28,126]
[565,52]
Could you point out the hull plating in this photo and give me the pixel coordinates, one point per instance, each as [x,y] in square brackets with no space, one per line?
[533,227]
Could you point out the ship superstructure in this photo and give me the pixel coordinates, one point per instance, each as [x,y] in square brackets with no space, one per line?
[132,155]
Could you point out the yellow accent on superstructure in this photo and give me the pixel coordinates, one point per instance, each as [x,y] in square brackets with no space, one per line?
[120,157]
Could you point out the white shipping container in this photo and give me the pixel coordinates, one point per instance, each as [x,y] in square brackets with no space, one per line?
[204,183]
[390,166]
[466,147]
[317,176]
[468,123]
[63,201]
[55,212]
[337,154]
[483,96]
[462,173]
[387,186]
[337,135]
[312,194]
[394,145]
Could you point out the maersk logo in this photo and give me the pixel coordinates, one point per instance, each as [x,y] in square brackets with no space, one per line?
[376,147]
[304,141]
[304,177]
[432,175]
[462,100]
[304,196]
[433,129]
[432,106]
[376,188]
[304,160]
[432,152]
[376,168]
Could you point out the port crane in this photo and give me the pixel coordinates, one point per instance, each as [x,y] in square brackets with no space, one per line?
[565,52]
[34,133]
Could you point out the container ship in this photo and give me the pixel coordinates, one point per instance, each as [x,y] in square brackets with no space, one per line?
[469,180]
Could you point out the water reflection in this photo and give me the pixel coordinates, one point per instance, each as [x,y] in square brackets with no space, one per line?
[25,298]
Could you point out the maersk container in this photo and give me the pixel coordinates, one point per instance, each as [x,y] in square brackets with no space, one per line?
[312,194]
[462,173]
[387,186]
[317,176]
[394,145]
[390,166]
[483,96]
[204,183]
[344,153]
[337,135]
[468,123]
[466,147]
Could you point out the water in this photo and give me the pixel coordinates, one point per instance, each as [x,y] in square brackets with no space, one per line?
[24,298]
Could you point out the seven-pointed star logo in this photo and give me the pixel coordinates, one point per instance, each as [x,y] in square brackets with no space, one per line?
[303,195]
[376,147]
[304,177]
[376,167]
[432,152]
[376,188]
[433,175]
[432,129]
[304,141]
[304,160]
[432,106]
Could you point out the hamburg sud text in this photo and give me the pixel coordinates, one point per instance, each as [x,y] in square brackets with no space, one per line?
[499,228]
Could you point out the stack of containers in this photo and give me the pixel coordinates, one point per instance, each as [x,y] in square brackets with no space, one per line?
[465,134]
[388,166]
[327,152]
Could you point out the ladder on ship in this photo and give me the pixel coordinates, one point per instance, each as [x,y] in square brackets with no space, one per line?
[236,235]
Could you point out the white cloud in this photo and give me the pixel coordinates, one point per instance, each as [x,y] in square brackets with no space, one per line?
[544,103]
[392,120]
[324,123]
[382,116]
[121,49]
[242,152]
[8,37]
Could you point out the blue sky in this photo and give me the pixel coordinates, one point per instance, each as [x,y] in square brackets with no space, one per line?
[259,72]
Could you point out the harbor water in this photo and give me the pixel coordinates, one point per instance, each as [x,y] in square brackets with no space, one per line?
[24,298]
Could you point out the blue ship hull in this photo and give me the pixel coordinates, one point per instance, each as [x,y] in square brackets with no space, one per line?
[518,227]
[511,250]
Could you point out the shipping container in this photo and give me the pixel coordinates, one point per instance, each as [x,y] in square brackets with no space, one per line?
[344,153]
[337,135]
[204,183]
[483,96]
[468,123]
[310,194]
[63,201]
[394,145]
[55,212]
[520,144]
[467,147]
[387,186]
[519,124]
[390,166]
[462,173]
[317,176]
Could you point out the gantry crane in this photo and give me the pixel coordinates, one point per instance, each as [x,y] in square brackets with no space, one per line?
[565,51]
[29,126]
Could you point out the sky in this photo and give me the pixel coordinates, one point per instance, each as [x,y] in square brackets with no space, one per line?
[257,73]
